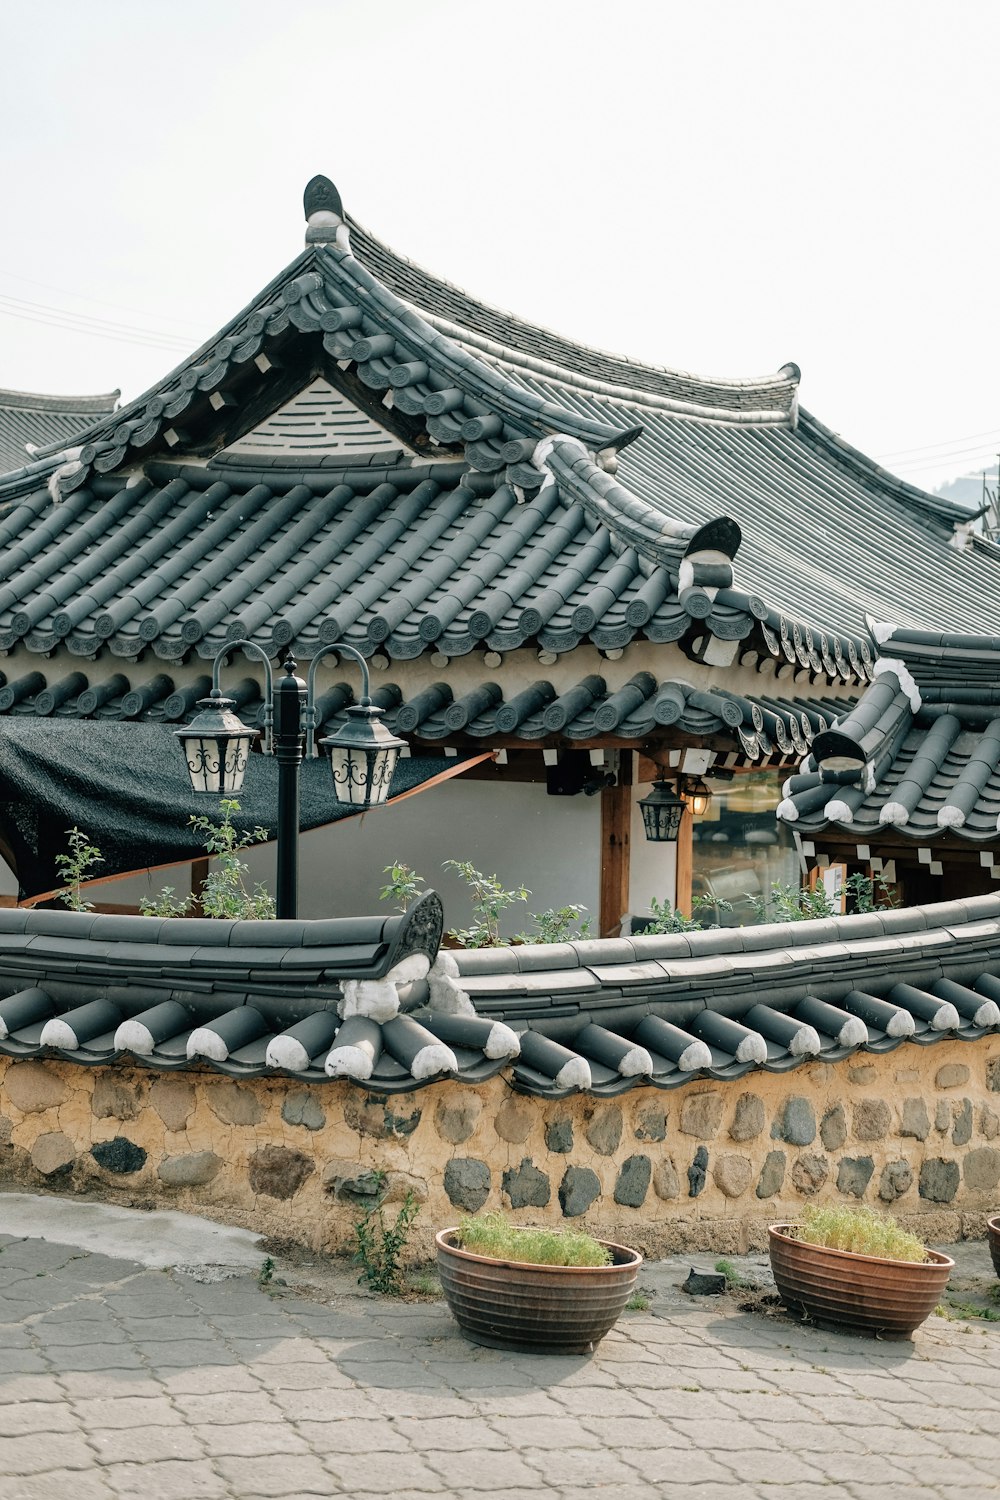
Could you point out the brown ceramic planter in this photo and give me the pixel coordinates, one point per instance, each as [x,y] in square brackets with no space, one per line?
[543,1309]
[862,1291]
[993,1234]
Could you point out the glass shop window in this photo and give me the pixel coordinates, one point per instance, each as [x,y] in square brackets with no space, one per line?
[740,849]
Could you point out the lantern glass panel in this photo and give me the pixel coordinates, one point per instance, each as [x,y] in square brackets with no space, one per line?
[361,776]
[217,763]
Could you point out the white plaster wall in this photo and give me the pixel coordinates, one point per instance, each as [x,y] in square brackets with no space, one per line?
[549,844]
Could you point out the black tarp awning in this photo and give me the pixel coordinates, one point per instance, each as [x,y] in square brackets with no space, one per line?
[126,786]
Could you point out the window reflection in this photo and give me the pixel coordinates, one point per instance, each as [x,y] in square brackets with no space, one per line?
[740,848]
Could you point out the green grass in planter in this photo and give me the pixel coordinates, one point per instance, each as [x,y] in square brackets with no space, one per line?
[861,1230]
[490,1234]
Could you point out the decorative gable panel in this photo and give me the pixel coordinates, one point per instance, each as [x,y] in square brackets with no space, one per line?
[319,420]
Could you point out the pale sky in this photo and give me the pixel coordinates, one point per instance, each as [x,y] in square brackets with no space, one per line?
[719,187]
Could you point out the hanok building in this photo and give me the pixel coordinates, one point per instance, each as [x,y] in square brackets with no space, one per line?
[569,573]
[30,423]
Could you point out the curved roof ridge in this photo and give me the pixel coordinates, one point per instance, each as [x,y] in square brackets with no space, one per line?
[384,260]
[574,379]
[934,506]
[99,404]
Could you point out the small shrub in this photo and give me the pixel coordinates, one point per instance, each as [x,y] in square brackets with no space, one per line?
[492,1235]
[556,925]
[381,1245]
[489,902]
[864,1231]
[166,904]
[76,867]
[403,886]
[638,1302]
[225,893]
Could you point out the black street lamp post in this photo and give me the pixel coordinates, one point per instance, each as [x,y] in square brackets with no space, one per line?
[363,753]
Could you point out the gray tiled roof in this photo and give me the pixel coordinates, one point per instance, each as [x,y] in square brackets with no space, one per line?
[918,754]
[44,421]
[756,730]
[530,500]
[600,1016]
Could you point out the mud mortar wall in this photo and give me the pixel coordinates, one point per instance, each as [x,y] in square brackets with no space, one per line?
[704,1167]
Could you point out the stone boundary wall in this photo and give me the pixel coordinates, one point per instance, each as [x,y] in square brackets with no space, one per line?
[703,1167]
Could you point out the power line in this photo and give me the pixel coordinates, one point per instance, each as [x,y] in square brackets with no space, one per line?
[144,341]
[85,320]
[904,453]
[100,301]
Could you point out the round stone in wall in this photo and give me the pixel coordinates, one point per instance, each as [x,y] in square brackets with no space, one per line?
[234,1105]
[457,1115]
[666,1183]
[772,1174]
[982,1169]
[939,1179]
[915,1120]
[871,1119]
[796,1124]
[32,1087]
[514,1121]
[115,1098]
[732,1174]
[525,1186]
[701,1115]
[809,1172]
[604,1130]
[52,1152]
[854,1174]
[633,1181]
[833,1128]
[650,1123]
[748,1120]
[951,1076]
[559,1136]
[279,1172]
[579,1188]
[120,1156]
[174,1101]
[192,1170]
[961,1131]
[897,1179]
[467,1183]
[302,1107]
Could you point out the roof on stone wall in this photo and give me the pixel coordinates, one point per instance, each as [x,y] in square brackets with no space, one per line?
[364,452]
[600,1017]
[918,755]
[31,421]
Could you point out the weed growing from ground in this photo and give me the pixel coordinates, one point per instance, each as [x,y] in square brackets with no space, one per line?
[381,1245]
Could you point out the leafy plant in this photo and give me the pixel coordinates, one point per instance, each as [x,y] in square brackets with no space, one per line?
[728,1270]
[76,866]
[381,1245]
[489,902]
[491,1234]
[862,1230]
[225,892]
[556,925]
[791,903]
[403,886]
[266,1272]
[166,904]
[665,919]
[866,893]
[638,1302]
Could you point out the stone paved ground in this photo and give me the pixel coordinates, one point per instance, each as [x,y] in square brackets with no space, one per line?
[117,1381]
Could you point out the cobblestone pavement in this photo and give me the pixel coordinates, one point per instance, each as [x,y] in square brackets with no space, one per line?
[117,1381]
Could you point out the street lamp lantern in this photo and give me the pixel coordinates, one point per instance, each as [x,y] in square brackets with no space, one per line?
[216,746]
[662,812]
[363,756]
[363,752]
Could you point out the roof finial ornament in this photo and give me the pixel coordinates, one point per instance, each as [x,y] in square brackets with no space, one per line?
[324,214]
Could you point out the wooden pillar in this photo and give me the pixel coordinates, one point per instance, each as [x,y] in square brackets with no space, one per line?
[685,864]
[199,874]
[616,821]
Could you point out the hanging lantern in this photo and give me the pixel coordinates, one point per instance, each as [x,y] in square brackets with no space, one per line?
[216,746]
[697,795]
[363,756]
[662,811]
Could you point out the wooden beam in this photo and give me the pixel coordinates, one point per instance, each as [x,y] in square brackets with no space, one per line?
[685,864]
[616,822]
